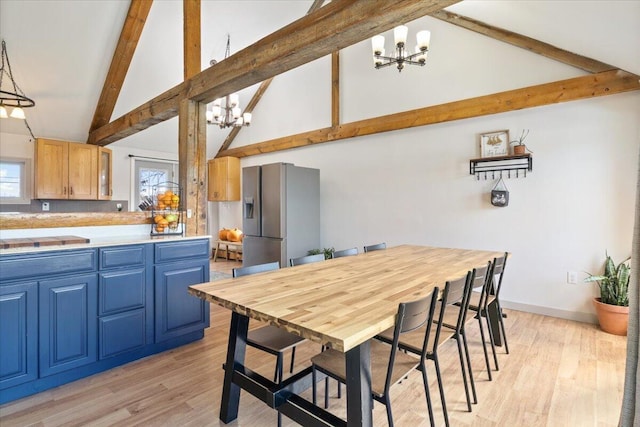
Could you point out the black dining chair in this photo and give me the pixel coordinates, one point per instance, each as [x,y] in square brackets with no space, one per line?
[270,339]
[477,299]
[483,296]
[306,259]
[376,247]
[344,252]
[455,292]
[388,365]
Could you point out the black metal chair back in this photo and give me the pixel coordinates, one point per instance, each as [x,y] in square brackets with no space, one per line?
[376,247]
[344,252]
[306,259]
[411,316]
[255,269]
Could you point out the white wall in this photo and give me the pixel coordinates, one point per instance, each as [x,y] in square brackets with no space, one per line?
[13,145]
[414,186]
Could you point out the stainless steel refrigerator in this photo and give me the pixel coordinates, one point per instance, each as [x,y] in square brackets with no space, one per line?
[281,213]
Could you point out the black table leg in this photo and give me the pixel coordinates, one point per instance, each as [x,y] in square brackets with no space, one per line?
[493,314]
[359,400]
[235,356]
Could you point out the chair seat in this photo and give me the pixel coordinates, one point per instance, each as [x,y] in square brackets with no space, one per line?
[333,362]
[272,339]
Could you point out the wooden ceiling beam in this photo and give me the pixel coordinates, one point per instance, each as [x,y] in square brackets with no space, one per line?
[337,25]
[600,84]
[259,93]
[524,42]
[126,47]
[191,37]
[335,89]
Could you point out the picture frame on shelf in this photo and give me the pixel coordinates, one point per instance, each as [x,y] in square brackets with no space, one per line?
[494,144]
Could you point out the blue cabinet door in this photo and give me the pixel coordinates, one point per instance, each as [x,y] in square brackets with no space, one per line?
[68,323]
[177,311]
[122,332]
[18,334]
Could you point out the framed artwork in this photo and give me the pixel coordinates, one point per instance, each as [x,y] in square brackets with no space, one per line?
[494,144]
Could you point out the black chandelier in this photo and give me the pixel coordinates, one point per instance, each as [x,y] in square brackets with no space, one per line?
[13,96]
[401,57]
[226,112]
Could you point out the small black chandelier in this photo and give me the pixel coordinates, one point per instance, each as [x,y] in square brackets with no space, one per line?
[13,96]
[401,57]
[226,112]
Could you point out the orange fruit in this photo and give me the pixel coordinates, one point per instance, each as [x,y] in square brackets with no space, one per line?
[157,218]
[163,222]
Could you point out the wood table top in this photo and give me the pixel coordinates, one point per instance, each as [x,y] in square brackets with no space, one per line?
[345,301]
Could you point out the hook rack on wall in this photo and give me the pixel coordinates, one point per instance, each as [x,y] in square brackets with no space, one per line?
[501,166]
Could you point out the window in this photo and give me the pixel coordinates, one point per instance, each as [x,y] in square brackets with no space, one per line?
[148,175]
[15,181]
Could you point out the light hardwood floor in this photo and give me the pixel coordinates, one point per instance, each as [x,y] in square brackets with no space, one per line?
[559,373]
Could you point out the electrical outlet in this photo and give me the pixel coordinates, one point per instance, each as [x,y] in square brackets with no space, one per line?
[45,206]
[188,213]
[572,277]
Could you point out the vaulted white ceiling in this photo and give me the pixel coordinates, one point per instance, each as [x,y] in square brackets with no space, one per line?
[60,50]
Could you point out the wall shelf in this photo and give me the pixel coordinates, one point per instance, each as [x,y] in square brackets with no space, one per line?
[501,166]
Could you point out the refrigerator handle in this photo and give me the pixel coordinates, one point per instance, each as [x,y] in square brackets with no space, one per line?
[248,207]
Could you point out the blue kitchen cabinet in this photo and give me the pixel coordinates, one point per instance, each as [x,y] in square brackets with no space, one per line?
[67,314]
[125,300]
[177,311]
[18,334]
[68,323]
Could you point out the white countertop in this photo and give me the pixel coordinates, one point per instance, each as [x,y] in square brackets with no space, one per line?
[101,241]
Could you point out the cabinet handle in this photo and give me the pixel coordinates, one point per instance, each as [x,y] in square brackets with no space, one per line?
[71,191]
[64,190]
[111,192]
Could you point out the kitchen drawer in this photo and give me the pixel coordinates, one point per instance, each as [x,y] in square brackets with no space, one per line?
[172,251]
[121,290]
[47,264]
[124,256]
[121,332]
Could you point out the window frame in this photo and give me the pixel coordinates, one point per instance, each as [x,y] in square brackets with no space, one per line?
[25,181]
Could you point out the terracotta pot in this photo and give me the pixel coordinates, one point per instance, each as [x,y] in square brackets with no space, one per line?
[613,318]
[519,149]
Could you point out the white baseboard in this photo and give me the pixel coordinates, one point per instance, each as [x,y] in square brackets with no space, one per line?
[553,312]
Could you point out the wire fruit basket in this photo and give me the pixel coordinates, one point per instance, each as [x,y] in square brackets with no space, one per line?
[166,214]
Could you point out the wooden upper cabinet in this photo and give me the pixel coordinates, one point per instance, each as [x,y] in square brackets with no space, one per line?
[105,184]
[52,169]
[66,170]
[83,171]
[224,179]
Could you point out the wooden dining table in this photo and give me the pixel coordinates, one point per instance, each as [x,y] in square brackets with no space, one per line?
[340,303]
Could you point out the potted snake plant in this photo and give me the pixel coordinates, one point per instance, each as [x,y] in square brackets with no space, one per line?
[612,307]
